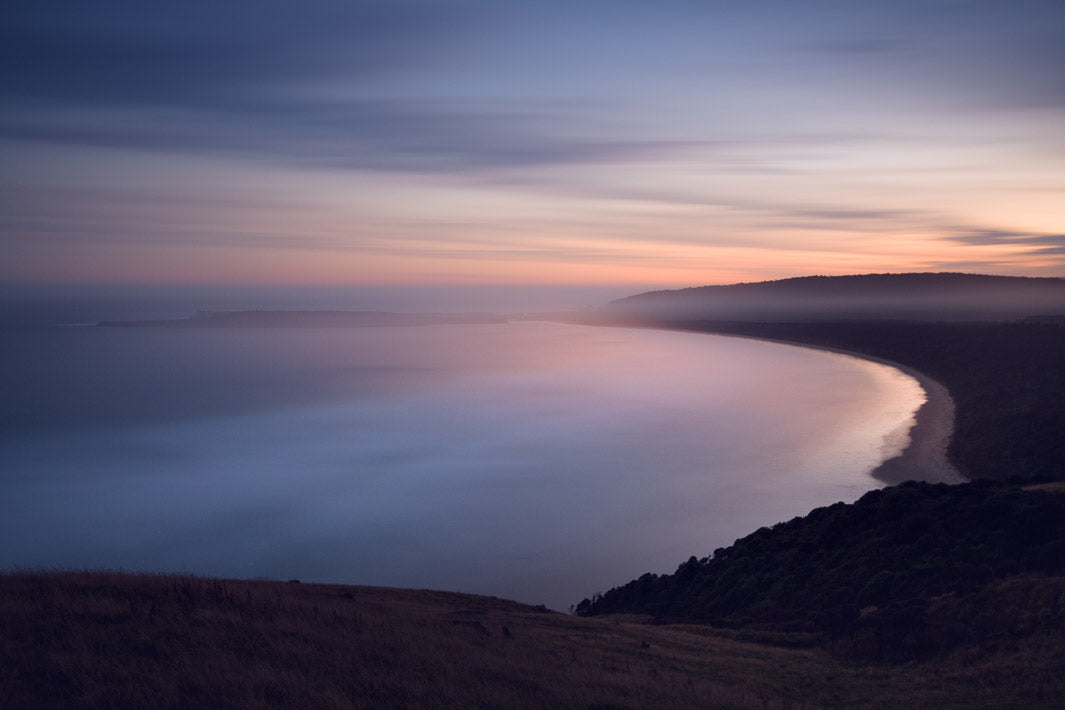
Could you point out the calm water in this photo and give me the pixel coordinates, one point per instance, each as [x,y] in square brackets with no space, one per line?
[535,461]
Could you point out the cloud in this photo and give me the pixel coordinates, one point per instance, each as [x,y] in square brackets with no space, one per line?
[415,85]
[983,237]
[47,216]
[390,135]
[856,47]
[285,82]
[313,84]
[1046,243]
[965,55]
[213,54]
[854,215]
[699,124]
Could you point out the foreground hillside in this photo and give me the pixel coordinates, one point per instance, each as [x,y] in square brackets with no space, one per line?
[908,572]
[90,640]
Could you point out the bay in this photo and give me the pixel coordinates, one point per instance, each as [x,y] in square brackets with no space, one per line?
[535,461]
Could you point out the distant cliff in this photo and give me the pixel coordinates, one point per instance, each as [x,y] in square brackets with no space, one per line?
[911,296]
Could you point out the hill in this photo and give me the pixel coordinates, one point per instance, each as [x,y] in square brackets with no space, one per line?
[907,572]
[105,639]
[908,296]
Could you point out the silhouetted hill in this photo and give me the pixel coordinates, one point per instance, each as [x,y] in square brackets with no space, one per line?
[905,572]
[909,296]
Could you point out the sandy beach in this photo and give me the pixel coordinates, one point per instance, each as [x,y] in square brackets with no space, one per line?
[925,458]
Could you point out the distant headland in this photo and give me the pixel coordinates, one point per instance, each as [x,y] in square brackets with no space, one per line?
[906,296]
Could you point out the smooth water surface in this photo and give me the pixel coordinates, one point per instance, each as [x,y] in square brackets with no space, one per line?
[535,461]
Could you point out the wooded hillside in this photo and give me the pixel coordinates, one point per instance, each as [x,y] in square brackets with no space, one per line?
[905,572]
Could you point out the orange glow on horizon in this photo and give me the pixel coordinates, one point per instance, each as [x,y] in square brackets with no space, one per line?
[640,266]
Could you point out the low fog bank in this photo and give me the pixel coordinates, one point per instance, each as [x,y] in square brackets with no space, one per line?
[87,305]
[918,296]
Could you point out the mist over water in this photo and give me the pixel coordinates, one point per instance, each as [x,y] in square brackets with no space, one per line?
[536,461]
[83,305]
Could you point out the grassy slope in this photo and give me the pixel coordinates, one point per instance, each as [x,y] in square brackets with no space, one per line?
[114,640]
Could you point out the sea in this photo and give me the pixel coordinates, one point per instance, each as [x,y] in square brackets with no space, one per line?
[536,461]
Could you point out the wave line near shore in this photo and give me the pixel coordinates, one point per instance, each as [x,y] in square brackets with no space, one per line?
[925,457]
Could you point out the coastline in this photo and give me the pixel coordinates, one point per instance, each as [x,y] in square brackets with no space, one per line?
[925,457]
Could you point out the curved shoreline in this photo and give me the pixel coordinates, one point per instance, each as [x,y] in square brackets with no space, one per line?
[925,457]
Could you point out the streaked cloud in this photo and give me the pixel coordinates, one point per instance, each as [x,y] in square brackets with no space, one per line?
[512,139]
[1032,243]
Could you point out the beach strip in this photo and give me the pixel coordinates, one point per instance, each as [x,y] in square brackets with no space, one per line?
[925,459]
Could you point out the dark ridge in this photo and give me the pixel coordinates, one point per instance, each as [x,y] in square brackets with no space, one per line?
[1046,320]
[911,296]
[905,572]
[879,284]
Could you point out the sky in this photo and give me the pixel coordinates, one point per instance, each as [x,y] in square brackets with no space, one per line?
[613,145]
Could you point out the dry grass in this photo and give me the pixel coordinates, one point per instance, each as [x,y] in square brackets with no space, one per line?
[1053,487]
[95,640]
